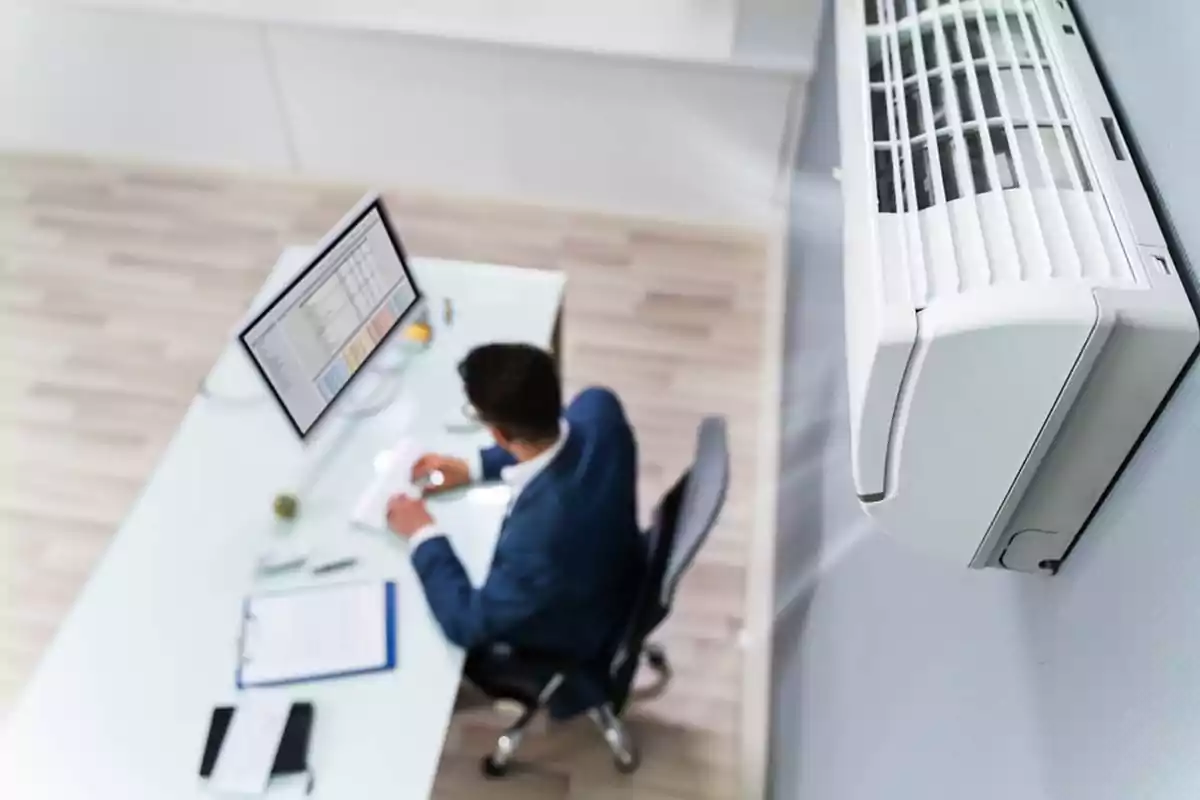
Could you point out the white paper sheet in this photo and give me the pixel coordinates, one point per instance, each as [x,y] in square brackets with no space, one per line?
[244,762]
[315,632]
[393,475]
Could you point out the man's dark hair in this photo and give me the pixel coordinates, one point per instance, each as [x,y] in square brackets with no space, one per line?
[514,388]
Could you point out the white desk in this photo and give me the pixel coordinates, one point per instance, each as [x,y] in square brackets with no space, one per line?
[119,705]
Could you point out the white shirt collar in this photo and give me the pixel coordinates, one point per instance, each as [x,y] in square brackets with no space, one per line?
[519,475]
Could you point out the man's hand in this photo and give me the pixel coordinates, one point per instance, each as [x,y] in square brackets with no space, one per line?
[407,515]
[455,472]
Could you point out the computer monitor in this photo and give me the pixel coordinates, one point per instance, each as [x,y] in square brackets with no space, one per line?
[319,332]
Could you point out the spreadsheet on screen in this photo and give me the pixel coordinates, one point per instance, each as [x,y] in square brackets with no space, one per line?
[319,333]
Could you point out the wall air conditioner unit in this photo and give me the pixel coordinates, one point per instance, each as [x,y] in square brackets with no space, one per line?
[1013,317]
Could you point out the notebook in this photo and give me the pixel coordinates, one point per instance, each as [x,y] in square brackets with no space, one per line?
[291,756]
[317,633]
[244,761]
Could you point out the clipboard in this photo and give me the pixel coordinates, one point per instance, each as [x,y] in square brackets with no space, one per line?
[317,633]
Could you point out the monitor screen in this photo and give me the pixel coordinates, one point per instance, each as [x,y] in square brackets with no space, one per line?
[309,342]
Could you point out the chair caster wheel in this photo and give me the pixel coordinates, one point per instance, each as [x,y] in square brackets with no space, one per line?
[627,763]
[492,769]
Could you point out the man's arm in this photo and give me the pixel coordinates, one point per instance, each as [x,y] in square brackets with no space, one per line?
[491,460]
[519,587]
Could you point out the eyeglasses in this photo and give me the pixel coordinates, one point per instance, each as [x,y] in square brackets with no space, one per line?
[471,421]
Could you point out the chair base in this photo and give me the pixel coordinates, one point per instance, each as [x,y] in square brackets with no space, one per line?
[497,764]
[625,753]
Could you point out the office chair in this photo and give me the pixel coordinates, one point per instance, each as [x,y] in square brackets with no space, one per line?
[681,523]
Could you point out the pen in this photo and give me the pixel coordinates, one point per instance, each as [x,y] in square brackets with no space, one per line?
[334,566]
[268,570]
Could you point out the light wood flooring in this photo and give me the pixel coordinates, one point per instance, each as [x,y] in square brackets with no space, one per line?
[119,283]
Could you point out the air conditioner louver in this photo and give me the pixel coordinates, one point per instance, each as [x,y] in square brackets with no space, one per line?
[979,174]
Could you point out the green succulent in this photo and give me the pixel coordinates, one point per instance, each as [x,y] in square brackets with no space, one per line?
[286,506]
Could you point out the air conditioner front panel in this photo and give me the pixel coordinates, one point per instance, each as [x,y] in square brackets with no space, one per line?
[1140,359]
[985,376]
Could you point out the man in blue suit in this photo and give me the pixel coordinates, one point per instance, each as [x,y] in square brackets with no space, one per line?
[570,554]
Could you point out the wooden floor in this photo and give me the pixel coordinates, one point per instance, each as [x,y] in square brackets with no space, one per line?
[119,284]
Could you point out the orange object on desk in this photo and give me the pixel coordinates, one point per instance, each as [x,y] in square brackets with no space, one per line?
[419,332]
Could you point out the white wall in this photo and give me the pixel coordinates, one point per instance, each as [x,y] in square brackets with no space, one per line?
[693,141]
[899,676]
[700,30]
[137,85]
[663,139]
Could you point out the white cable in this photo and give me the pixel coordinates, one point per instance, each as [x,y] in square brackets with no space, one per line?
[232,400]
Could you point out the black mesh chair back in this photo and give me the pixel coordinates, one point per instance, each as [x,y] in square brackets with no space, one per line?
[681,524]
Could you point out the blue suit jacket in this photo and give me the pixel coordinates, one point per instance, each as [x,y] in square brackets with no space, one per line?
[570,555]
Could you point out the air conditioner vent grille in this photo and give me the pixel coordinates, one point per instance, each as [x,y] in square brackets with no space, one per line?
[966,104]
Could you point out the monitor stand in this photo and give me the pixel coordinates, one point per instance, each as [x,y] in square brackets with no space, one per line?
[378,384]
[374,387]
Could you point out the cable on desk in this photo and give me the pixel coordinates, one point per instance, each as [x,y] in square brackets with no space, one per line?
[207,393]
